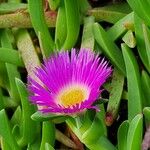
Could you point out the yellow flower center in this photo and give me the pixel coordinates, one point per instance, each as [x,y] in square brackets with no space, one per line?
[72,96]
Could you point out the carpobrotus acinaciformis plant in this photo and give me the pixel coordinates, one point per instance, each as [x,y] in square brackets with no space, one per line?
[71,82]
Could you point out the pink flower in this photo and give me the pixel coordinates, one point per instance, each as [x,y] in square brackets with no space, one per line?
[71,82]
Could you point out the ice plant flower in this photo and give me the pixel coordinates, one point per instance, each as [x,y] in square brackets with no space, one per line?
[70,82]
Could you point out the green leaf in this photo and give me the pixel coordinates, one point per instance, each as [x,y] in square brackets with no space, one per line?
[28,128]
[121,26]
[5,39]
[11,7]
[146,33]
[91,135]
[88,37]
[146,112]
[48,147]
[86,122]
[110,13]
[109,48]
[145,82]
[1,100]
[3,76]
[36,144]
[135,133]
[141,8]
[129,39]
[122,135]
[94,132]
[48,134]
[12,74]
[12,70]
[8,102]
[36,12]
[73,23]
[5,131]
[61,26]
[53,4]
[14,1]
[27,50]
[16,118]
[4,144]
[115,96]
[38,116]
[84,6]
[140,41]
[11,56]
[101,116]
[135,96]
[102,143]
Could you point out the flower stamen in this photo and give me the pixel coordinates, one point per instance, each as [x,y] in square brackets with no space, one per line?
[72,97]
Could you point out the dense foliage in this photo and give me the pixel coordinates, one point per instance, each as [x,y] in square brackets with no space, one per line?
[31,31]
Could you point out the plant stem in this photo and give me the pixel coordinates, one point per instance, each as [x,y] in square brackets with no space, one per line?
[65,140]
[21,19]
